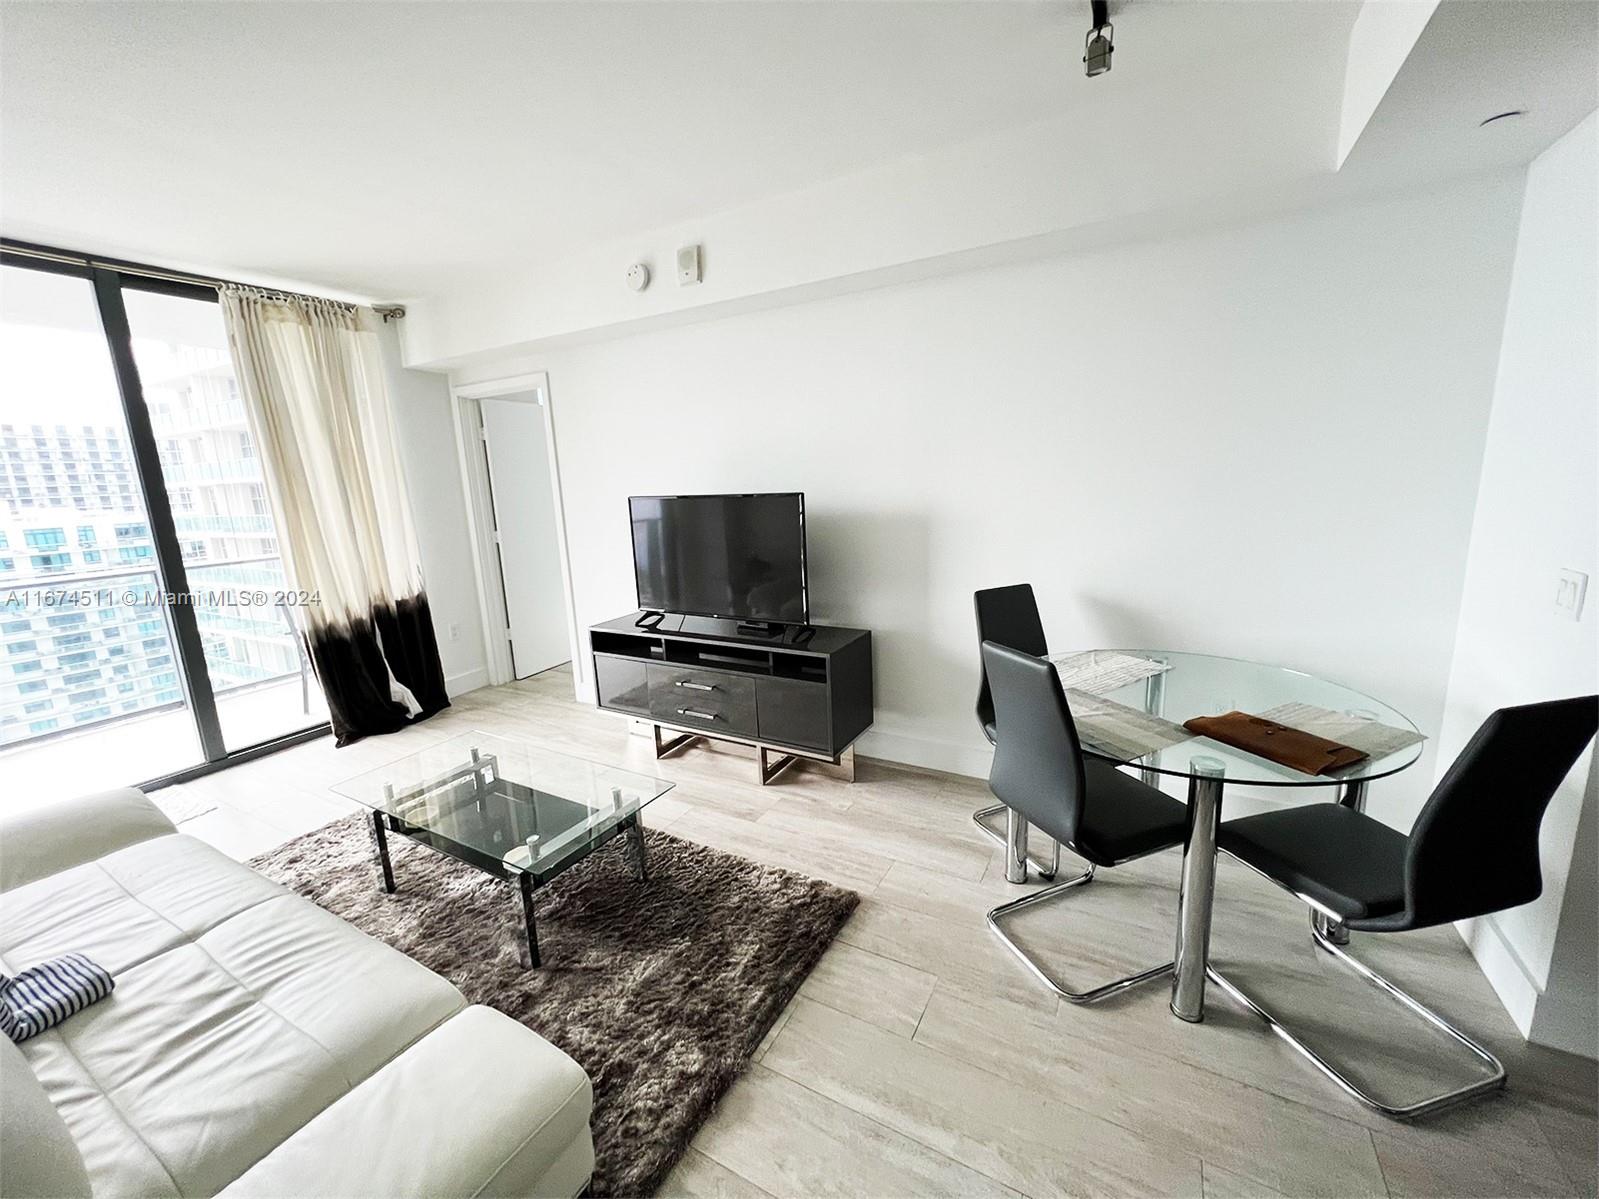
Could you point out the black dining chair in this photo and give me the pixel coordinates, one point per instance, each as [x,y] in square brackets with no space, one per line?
[1472,851]
[1040,775]
[1007,616]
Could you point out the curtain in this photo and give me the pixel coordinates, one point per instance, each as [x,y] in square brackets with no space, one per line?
[312,378]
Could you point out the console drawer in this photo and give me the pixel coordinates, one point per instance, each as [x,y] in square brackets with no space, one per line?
[705,699]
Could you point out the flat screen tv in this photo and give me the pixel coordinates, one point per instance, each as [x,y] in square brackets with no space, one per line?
[740,557]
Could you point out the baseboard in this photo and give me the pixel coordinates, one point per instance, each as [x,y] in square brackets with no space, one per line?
[467,680]
[1566,1025]
[1504,970]
[946,756]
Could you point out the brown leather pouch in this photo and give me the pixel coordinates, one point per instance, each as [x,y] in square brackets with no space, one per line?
[1275,742]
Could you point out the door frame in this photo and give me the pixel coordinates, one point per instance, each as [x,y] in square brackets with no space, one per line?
[467,417]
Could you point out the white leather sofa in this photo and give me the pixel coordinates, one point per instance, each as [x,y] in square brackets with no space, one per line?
[255,1045]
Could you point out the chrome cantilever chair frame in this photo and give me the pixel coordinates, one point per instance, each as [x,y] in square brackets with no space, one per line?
[1321,933]
[1038,867]
[1027,642]
[1016,851]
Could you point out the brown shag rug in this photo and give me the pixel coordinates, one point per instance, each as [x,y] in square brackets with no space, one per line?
[660,990]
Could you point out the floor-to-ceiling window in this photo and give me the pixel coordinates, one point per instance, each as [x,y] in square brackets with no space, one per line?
[144,630]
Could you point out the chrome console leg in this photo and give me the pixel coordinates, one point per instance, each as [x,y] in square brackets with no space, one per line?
[1046,873]
[1048,893]
[1352,795]
[1196,889]
[1494,1080]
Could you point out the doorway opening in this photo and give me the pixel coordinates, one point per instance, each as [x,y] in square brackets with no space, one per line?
[512,478]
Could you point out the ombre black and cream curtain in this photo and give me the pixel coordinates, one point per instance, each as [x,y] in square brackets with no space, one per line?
[313,383]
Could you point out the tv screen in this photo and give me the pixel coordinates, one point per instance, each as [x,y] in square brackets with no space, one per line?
[738,556]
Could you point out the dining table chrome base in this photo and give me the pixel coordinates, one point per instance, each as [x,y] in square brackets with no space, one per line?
[1196,890]
[980,818]
[1408,1111]
[997,916]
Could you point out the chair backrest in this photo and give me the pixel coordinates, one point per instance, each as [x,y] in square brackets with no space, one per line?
[1006,616]
[1474,847]
[1038,762]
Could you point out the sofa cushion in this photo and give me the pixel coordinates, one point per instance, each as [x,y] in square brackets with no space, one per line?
[117,1160]
[482,1106]
[355,996]
[49,836]
[240,1012]
[130,905]
[38,1158]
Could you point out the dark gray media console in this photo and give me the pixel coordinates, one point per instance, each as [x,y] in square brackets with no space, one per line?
[799,693]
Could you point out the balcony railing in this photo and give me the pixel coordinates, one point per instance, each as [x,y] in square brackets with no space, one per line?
[137,593]
[232,470]
[207,414]
[223,524]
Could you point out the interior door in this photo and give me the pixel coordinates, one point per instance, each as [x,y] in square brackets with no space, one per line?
[523,495]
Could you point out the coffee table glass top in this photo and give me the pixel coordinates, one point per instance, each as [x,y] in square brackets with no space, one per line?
[503,803]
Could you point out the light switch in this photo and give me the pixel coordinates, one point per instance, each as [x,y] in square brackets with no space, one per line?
[1570,593]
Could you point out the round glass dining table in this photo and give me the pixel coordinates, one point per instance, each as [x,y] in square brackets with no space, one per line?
[1130,705]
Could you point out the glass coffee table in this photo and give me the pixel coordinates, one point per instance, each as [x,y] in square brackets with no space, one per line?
[510,809]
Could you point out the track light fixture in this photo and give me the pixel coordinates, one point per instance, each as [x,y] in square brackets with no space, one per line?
[1097,46]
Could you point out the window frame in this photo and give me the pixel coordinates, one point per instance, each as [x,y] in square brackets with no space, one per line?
[108,283]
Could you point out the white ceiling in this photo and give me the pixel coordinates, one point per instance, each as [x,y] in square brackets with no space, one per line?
[383,148]
[392,149]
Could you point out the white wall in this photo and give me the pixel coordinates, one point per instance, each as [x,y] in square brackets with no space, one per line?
[1079,175]
[1262,441]
[1538,511]
[427,449]
[1385,33]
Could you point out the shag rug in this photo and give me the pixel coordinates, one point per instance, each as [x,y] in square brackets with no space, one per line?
[660,990]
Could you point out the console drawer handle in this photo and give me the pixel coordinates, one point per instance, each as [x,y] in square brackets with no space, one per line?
[695,686]
[700,715]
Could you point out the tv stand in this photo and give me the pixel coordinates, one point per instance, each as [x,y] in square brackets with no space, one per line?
[796,693]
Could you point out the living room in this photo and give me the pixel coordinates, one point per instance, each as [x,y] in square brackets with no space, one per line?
[508,510]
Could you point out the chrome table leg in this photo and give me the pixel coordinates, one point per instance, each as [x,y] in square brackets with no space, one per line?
[380,839]
[1197,889]
[524,884]
[635,837]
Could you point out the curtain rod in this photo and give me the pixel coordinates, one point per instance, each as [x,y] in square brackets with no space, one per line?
[124,267]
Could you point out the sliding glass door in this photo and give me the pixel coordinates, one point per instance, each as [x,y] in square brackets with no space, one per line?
[144,631]
[257,665]
[89,673]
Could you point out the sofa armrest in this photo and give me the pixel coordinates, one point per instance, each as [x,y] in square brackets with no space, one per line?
[39,841]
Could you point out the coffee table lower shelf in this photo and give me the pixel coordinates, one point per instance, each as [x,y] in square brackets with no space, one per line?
[526,881]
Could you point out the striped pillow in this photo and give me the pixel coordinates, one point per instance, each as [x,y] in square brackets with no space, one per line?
[46,994]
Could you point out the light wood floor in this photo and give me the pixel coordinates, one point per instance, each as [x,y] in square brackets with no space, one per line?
[920,1059]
